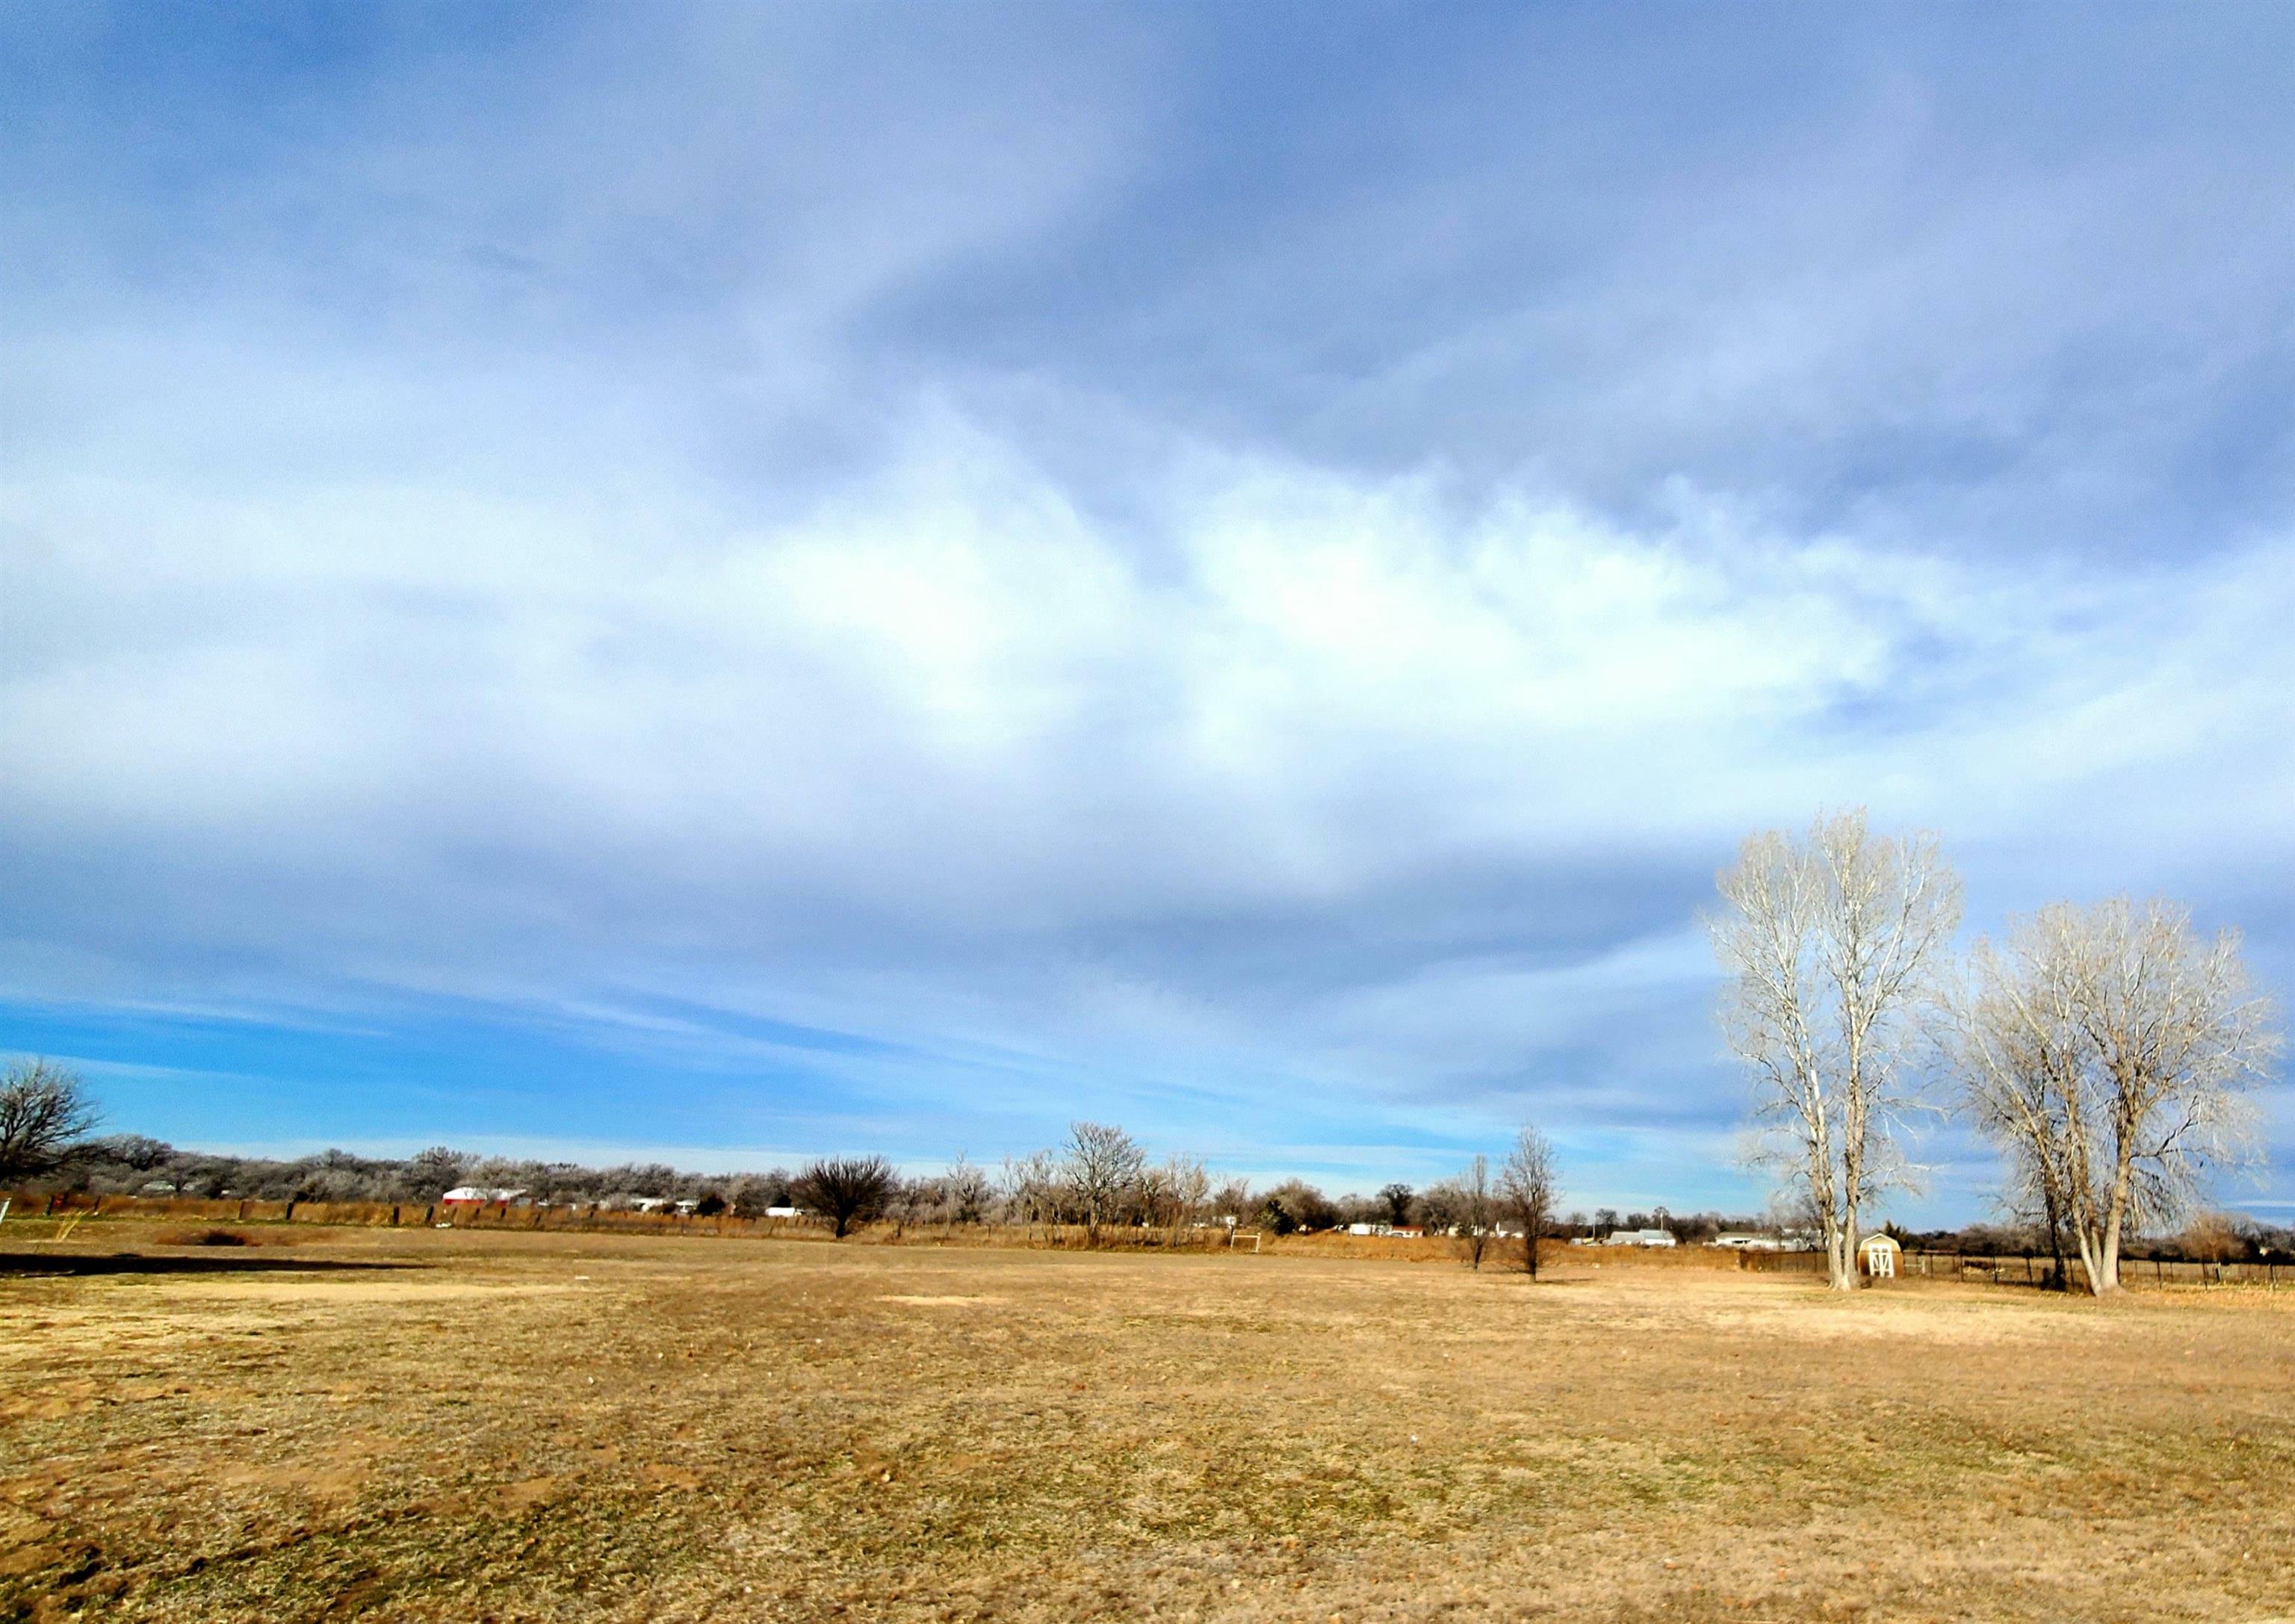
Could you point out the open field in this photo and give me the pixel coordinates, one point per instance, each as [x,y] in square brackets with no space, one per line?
[598,1426]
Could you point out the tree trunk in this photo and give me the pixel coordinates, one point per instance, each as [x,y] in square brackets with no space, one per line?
[1833,1253]
[1842,1255]
[2108,1276]
[2056,1235]
[2105,1269]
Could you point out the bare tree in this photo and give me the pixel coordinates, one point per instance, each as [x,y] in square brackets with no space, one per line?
[1526,1191]
[1397,1197]
[1438,1207]
[1030,1187]
[1473,1209]
[2018,1048]
[969,1190]
[847,1190]
[44,1112]
[1100,1166]
[1178,1191]
[914,1202]
[431,1173]
[2110,1051]
[1834,943]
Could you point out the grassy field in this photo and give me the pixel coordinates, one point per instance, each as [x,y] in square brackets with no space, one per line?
[574,1427]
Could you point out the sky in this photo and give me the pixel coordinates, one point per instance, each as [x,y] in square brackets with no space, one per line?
[733,582]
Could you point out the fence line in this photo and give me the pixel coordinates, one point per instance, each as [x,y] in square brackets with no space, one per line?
[2030,1268]
[2014,1268]
[597,1219]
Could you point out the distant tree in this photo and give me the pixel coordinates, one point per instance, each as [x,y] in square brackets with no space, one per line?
[914,1202]
[1179,1188]
[1231,1202]
[1305,1206]
[970,1193]
[1274,1217]
[1525,1192]
[752,1195]
[846,1190]
[1100,1166]
[1834,943]
[1397,1197]
[710,1205]
[134,1151]
[1029,1189]
[44,1112]
[1606,1218]
[1466,1207]
[431,1173]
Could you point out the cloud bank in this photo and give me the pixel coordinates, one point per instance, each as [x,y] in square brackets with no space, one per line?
[697,580]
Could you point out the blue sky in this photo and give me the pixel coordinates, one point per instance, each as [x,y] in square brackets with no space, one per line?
[732,582]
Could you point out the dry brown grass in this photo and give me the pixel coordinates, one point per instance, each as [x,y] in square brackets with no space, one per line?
[580,1427]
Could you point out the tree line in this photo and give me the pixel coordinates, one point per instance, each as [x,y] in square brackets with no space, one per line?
[1099,1180]
[2110,1051]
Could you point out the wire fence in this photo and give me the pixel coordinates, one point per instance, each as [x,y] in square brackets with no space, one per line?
[2026,1269]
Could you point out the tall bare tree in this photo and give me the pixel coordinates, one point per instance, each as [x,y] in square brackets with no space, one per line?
[44,1112]
[1835,943]
[1525,1192]
[2018,1048]
[2110,1051]
[1101,1167]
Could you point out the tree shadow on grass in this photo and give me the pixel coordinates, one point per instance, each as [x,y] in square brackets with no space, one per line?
[133,1264]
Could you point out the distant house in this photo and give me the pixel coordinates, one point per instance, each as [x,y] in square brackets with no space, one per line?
[1640,1237]
[478,1195]
[158,1186]
[1745,1242]
[1373,1229]
[1408,1233]
[784,1212]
